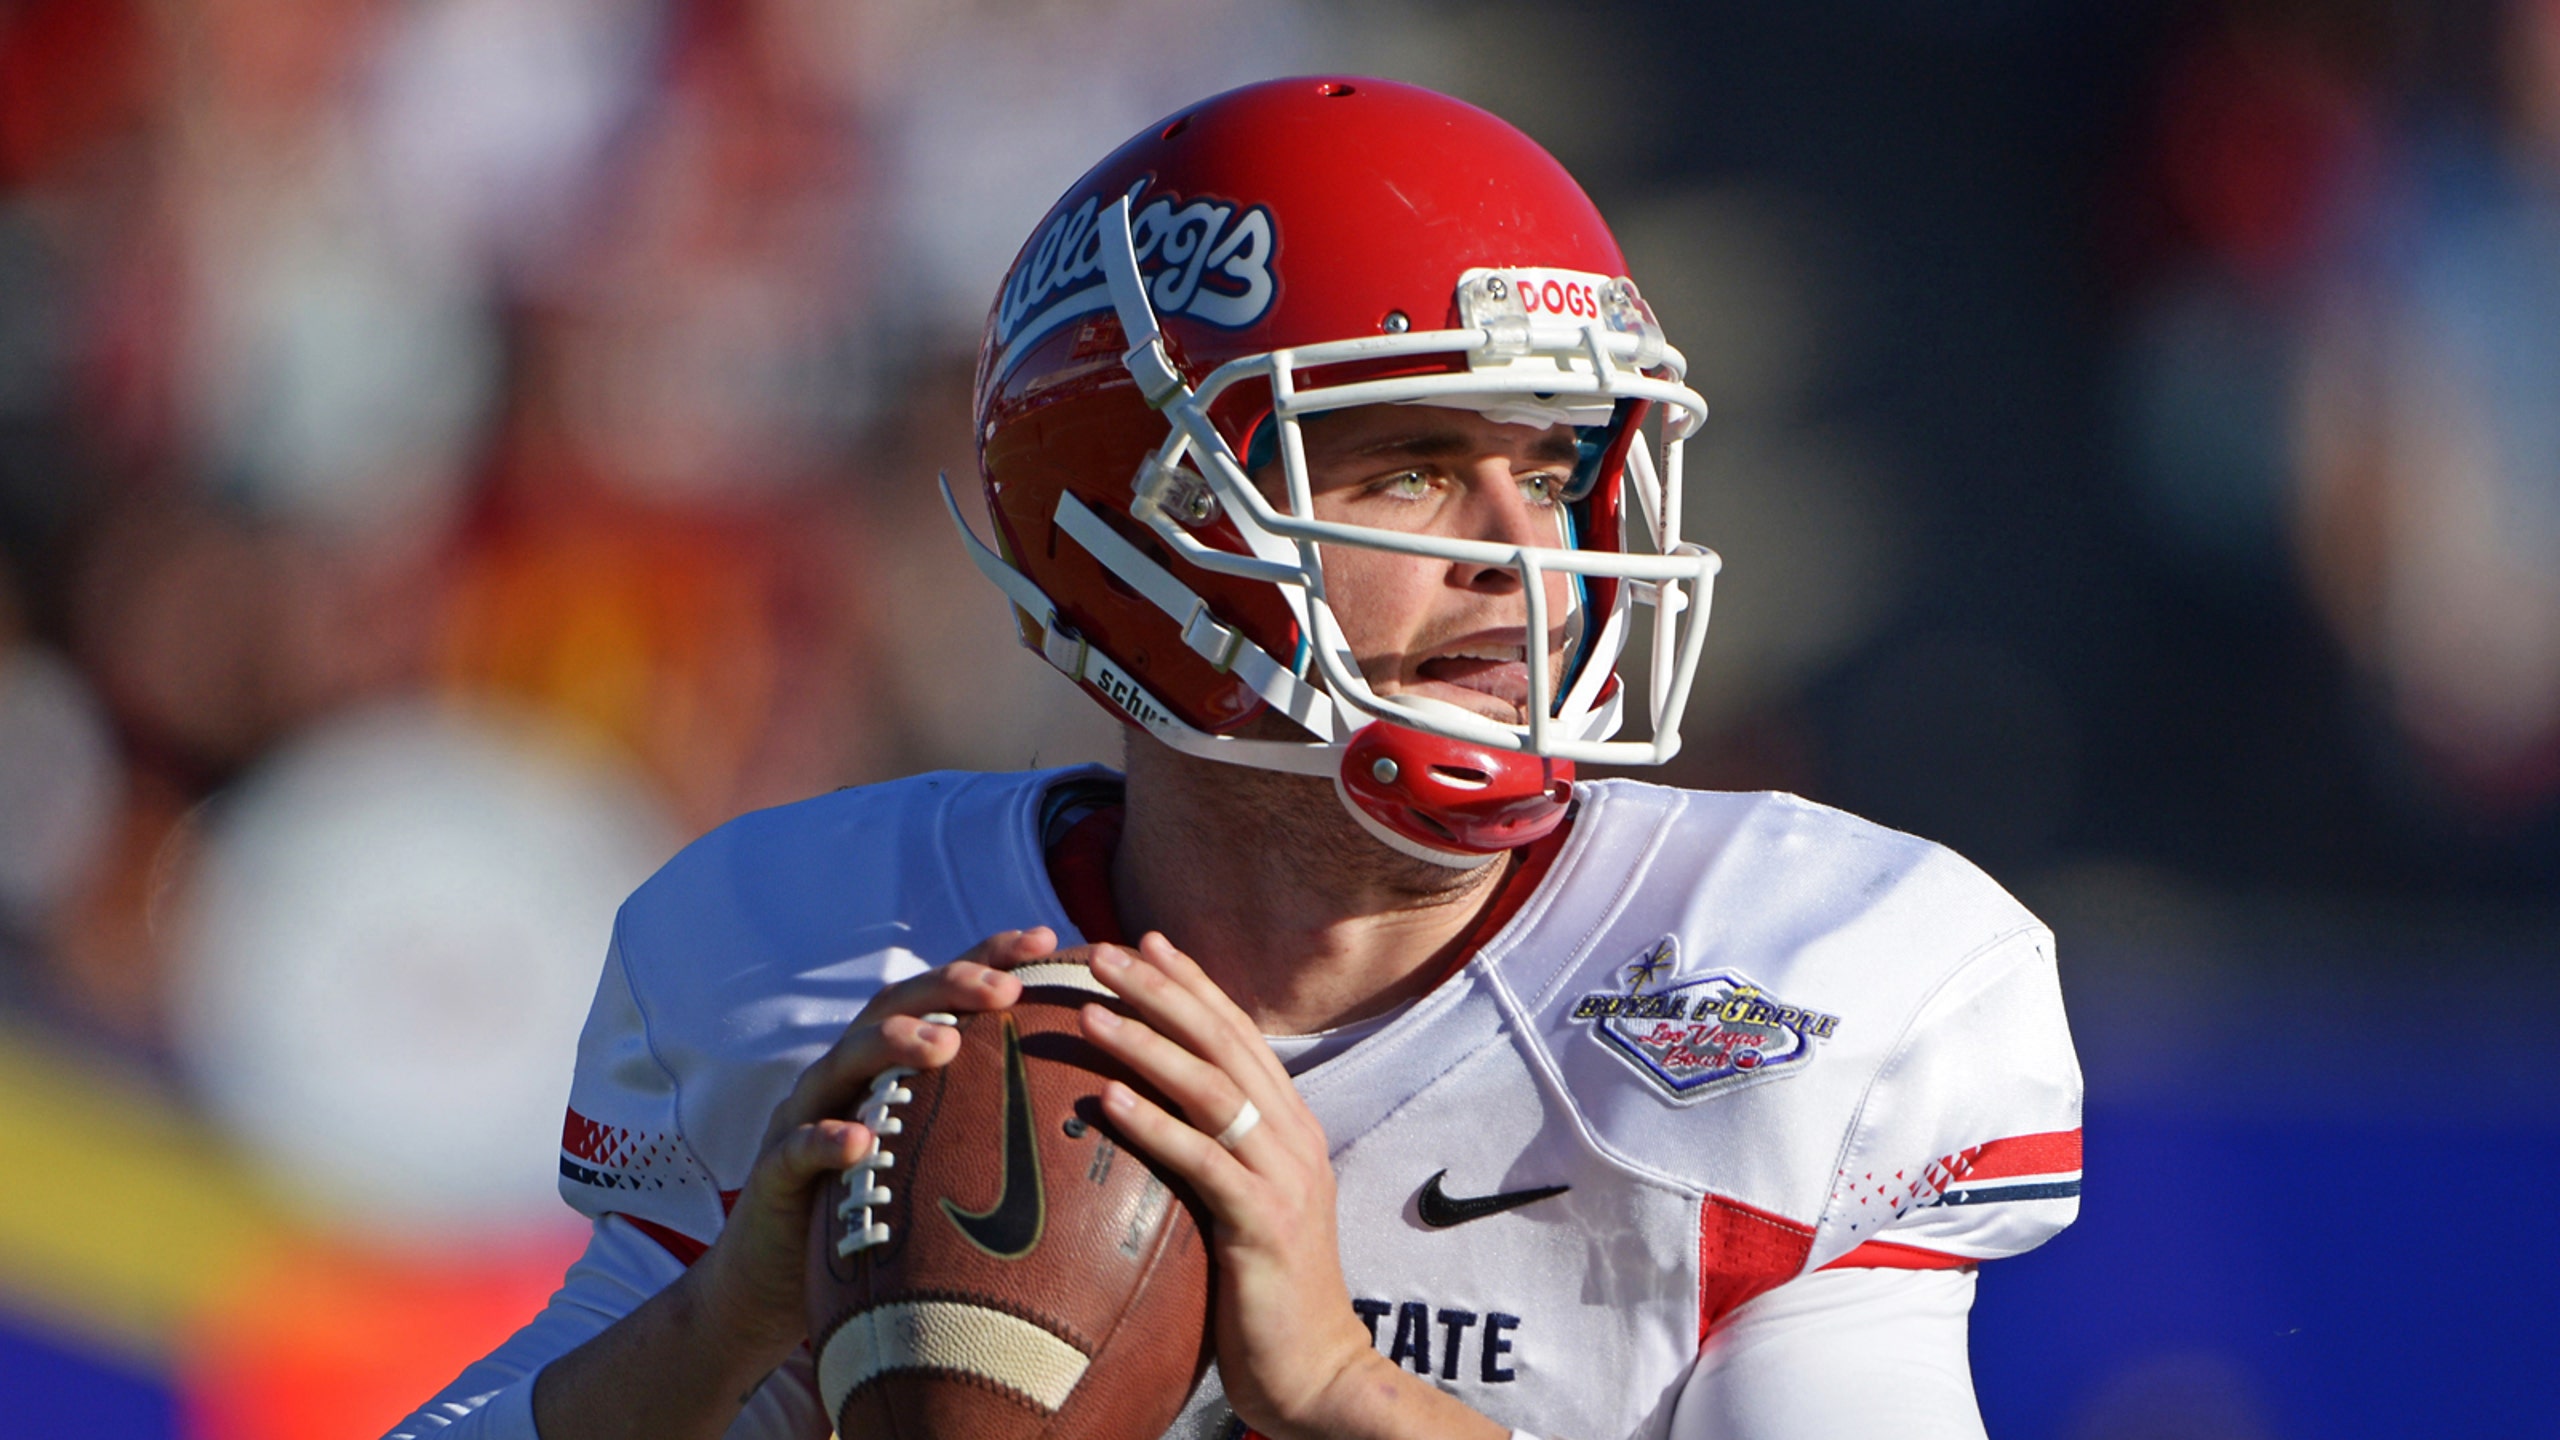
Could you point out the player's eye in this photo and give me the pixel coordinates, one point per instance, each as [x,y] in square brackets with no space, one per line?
[1403,485]
[1544,487]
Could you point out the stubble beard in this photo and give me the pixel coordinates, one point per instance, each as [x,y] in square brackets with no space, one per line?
[1302,834]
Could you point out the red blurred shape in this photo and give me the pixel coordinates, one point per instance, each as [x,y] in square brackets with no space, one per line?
[2259,140]
[70,71]
[328,1342]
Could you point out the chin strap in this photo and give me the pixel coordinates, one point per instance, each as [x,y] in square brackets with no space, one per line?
[1447,801]
[1223,646]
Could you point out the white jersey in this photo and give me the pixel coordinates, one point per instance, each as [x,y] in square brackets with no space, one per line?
[1729,1041]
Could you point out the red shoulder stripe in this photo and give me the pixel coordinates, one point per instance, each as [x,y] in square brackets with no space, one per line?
[2055,1152]
[1886,1255]
[589,1141]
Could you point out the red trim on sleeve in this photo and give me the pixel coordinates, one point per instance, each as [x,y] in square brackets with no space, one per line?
[1742,1253]
[588,1140]
[684,1247]
[2056,1152]
[1886,1255]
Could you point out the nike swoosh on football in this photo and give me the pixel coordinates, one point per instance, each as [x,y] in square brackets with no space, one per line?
[1011,1228]
[1440,1209]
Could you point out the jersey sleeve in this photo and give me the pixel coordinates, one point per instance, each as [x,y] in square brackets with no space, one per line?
[1846,1352]
[622,1146]
[1967,1146]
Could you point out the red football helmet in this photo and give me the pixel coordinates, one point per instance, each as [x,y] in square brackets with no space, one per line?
[1289,248]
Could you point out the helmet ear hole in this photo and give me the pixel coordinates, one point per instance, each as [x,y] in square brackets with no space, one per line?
[1462,777]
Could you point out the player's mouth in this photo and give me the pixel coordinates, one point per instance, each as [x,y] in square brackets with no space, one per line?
[1484,674]
[1500,673]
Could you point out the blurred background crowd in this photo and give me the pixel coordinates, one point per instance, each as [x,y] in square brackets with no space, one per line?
[454,451]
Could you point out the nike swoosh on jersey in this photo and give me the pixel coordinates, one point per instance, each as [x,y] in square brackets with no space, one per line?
[1440,1209]
[1011,1228]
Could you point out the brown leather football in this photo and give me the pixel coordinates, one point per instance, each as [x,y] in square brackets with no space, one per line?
[1003,1267]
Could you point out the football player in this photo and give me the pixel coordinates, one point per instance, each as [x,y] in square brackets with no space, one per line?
[1326,442]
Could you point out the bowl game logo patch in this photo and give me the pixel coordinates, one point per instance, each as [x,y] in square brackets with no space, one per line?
[1702,1035]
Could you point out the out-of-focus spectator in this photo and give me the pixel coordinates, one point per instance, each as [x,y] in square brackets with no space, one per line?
[2428,434]
[2348,376]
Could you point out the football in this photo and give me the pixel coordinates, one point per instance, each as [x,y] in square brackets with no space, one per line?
[1000,1265]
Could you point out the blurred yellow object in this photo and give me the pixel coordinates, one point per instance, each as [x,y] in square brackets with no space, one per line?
[128,1229]
[122,1218]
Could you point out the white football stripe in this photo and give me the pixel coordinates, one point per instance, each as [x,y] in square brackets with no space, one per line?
[1063,973]
[948,1335]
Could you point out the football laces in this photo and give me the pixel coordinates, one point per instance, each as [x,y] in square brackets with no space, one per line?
[862,1186]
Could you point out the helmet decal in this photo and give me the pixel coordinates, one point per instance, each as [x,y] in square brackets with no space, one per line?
[1206,258]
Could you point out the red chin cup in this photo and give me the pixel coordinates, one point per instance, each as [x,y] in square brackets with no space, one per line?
[1454,795]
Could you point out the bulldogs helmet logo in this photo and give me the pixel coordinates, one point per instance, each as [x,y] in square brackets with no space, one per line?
[1206,258]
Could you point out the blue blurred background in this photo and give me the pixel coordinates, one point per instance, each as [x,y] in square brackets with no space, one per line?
[452,451]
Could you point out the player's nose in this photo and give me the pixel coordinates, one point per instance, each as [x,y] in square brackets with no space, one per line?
[1498,511]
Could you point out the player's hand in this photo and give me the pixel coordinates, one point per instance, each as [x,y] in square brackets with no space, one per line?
[752,1278]
[1294,1358]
